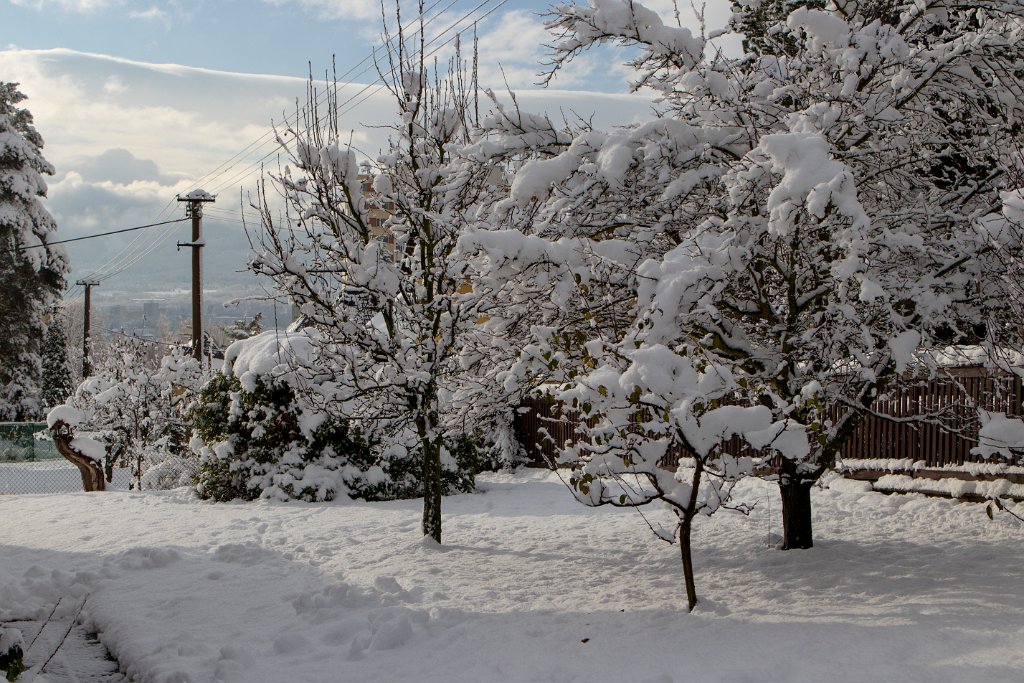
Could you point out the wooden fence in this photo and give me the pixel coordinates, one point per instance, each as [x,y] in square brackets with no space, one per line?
[897,431]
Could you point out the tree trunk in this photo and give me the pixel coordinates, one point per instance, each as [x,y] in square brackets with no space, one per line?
[685,526]
[91,471]
[684,550]
[796,509]
[431,473]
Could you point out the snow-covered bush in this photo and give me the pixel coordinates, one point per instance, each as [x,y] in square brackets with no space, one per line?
[251,443]
[12,652]
[257,436]
[136,404]
[491,445]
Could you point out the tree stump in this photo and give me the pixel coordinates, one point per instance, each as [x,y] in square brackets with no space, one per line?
[91,470]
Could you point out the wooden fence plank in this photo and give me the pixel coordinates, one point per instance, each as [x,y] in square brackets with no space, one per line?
[875,437]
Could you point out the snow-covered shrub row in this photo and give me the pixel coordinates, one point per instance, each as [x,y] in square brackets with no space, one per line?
[954,488]
[899,465]
[258,435]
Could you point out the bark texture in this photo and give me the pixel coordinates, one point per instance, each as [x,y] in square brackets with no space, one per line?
[795,490]
[91,471]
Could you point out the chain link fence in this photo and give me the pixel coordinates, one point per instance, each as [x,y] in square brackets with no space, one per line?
[30,463]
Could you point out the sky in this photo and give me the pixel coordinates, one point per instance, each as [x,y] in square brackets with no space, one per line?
[140,101]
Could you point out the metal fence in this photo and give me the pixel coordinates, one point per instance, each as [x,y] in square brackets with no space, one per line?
[26,441]
[932,421]
[30,463]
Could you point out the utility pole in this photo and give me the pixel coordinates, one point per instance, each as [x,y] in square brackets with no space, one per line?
[194,210]
[86,356]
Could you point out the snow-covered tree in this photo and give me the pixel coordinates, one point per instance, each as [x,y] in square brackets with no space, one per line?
[135,403]
[259,436]
[796,228]
[385,232]
[57,384]
[31,269]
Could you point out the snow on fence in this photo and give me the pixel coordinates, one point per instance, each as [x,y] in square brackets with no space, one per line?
[929,422]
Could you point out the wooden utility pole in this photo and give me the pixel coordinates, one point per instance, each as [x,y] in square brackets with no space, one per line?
[194,210]
[87,315]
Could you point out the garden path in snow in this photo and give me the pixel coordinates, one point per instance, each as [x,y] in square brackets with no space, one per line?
[528,586]
[63,651]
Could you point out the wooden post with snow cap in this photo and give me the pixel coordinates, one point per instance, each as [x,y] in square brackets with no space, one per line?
[81,452]
[194,210]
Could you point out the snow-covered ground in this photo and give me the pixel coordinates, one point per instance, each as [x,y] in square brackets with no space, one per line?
[529,586]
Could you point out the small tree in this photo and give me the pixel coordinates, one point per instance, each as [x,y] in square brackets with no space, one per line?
[135,403]
[31,269]
[57,382]
[642,404]
[404,375]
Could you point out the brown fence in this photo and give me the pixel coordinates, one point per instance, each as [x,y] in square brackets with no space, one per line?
[907,424]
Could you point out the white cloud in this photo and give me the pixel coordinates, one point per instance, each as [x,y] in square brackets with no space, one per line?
[153,14]
[516,41]
[511,49]
[716,12]
[82,6]
[126,137]
[114,85]
[336,9]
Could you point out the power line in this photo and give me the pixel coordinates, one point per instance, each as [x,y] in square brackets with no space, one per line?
[99,234]
[127,259]
[138,241]
[122,261]
[346,107]
[269,136]
[126,335]
[348,104]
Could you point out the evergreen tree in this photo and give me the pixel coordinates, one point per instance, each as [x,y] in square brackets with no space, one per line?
[31,270]
[57,382]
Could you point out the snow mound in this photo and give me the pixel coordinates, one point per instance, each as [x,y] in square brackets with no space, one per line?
[66,414]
